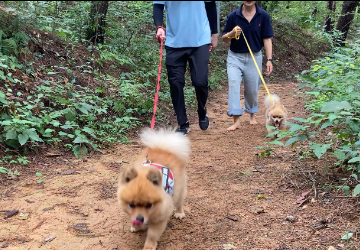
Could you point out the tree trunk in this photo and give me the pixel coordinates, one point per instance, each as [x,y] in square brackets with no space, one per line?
[329,23]
[96,28]
[345,19]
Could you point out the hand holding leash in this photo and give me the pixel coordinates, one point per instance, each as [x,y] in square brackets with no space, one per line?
[160,34]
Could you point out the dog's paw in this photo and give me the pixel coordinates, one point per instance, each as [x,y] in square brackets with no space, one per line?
[179,215]
[150,246]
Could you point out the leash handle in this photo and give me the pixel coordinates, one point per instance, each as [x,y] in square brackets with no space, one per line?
[257,67]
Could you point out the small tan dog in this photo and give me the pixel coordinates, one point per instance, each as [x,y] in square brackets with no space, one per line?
[276,113]
[149,193]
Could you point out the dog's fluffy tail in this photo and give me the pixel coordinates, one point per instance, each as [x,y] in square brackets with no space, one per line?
[267,101]
[168,140]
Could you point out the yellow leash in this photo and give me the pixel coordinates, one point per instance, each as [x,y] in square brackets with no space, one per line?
[257,67]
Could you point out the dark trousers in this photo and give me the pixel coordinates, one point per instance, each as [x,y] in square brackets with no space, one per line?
[176,60]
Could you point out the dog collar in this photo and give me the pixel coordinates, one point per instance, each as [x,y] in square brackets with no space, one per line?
[168,179]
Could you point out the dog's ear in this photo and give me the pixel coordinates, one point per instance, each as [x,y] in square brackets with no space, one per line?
[129,174]
[285,111]
[154,176]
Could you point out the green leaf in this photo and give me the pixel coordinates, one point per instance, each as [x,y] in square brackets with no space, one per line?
[347,236]
[295,127]
[326,124]
[88,130]
[320,149]
[299,119]
[6,123]
[277,143]
[335,106]
[62,133]
[23,138]
[80,151]
[346,190]
[33,135]
[340,155]
[354,176]
[38,174]
[13,143]
[355,159]
[272,133]
[11,134]
[333,117]
[79,139]
[291,141]
[48,130]
[356,190]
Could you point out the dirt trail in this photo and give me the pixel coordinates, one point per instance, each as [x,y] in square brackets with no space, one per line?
[78,206]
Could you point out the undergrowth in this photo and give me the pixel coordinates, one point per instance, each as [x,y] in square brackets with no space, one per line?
[332,126]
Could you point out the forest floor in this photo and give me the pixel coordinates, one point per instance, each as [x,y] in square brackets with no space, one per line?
[77,202]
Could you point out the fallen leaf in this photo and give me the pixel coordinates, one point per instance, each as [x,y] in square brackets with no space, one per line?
[331,248]
[260,196]
[228,246]
[52,154]
[24,216]
[5,245]
[10,213]
[67,172]
[80,226]
[50,238]
[48,208]
[231,218]
[302,198]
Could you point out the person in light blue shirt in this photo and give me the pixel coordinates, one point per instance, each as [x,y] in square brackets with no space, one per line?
[191,33]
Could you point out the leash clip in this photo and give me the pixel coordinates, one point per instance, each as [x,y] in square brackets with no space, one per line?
[147,162]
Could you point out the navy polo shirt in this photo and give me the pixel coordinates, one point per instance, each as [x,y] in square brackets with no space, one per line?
[258,29]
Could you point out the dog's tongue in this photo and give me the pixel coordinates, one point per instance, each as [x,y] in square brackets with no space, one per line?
[136,222]
[277,124]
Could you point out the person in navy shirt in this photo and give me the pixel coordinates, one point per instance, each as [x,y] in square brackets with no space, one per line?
[256,25]
[191,32]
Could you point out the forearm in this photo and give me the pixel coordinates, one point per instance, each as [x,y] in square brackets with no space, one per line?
[268,48]
[212,16]
[226,38]
[158,10]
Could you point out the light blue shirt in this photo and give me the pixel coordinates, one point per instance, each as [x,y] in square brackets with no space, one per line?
[187,24]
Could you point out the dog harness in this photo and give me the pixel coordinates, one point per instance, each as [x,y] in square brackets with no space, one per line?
[168,179]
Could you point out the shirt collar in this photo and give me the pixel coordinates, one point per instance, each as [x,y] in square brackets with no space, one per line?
[239,13]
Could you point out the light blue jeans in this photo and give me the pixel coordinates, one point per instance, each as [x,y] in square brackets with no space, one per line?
[240,66]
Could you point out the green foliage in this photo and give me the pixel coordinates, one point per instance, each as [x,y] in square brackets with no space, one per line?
[333,100]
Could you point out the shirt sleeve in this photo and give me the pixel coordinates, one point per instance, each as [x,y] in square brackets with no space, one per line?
[228,25]
[210,7]
[158,10]
[267,30]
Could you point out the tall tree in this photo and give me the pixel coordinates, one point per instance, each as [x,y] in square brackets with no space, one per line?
[329,22]
[97,23]
[345,19]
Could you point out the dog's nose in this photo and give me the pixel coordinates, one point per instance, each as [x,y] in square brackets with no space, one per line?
[140,218]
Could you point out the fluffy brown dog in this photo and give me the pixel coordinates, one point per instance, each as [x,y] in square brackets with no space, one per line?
[147,193]
[276,113]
